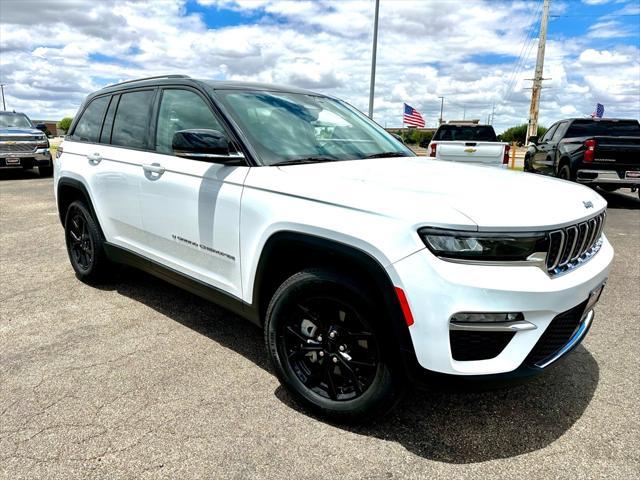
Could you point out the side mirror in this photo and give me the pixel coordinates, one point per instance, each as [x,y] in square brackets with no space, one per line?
[42,127]
[202,144]
[533,139]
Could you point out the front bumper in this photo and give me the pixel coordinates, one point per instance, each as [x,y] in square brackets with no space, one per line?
[610,177]
[437,289]
[40,157]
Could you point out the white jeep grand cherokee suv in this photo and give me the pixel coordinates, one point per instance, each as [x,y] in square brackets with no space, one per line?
[369,268]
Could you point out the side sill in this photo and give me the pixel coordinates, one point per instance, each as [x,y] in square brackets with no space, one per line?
[208,292]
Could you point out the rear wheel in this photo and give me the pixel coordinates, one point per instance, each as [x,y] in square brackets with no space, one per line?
[85,245]
[564,172]
[327,350]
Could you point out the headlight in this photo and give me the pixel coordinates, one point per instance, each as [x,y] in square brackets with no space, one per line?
[43,142]
[483,246]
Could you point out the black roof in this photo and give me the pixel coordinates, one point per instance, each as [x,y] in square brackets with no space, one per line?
[214,84]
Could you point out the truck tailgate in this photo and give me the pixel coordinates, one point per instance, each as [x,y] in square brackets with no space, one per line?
[488,153]
[618,151]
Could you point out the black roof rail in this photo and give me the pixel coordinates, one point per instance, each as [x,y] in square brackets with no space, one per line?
[147,78]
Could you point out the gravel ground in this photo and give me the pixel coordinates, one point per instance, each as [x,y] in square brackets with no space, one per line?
[141,380]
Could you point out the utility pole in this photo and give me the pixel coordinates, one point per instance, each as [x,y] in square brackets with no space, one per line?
[372,86]
[4,106]
[441,108]
[537,78]
[493,113]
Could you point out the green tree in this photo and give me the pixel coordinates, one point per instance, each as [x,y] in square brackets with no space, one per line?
[518,134]
[65,123]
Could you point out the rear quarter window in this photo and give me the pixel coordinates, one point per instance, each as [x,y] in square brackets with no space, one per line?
[88,127]
[131,123]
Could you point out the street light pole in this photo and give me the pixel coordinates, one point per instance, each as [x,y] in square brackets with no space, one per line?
[4,106]
[372,86]
[441,108]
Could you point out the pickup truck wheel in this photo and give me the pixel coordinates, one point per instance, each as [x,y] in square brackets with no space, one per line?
[527,165]
[326,349]
[85,245]
[564,172]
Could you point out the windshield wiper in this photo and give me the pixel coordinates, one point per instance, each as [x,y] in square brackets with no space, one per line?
[386,154]
[297,161]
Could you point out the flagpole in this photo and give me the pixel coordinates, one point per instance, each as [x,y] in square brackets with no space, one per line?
[372,86]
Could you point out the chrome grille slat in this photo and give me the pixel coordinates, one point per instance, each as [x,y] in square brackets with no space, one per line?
[574,244]
[17,147]
[583,231]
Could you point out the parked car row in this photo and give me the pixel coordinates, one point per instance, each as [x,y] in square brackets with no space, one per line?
[592,151]
[368,268]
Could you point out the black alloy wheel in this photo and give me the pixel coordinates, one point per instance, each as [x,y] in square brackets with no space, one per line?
[329,347]
[326,338]
[81,247]
[85,244]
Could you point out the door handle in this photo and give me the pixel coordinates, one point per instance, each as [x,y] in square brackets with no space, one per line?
[94,158]
[154,168]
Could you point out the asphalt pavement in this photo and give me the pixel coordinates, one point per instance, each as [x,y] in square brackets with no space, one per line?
[139,379]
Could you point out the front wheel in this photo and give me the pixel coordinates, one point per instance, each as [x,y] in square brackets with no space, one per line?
[326,348]
[527,165]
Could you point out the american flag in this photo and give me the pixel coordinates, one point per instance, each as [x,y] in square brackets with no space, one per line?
[412,117]
[599,111]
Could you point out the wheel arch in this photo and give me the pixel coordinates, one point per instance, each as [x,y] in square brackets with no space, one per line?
[70,190]
[287,252]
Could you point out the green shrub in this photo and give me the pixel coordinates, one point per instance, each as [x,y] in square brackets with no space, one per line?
[65,123]
[518,134]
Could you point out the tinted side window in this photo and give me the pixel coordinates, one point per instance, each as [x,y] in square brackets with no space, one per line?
[557,135]
[130,127]
[88,127]
[182,110]
[105,136]
[547,136]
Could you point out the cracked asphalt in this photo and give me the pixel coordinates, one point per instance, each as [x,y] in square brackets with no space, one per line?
[141,380]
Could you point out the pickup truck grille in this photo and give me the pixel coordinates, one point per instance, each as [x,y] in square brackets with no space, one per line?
[572,245]
[18,147]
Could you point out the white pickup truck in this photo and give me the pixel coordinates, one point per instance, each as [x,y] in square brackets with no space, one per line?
[469,144]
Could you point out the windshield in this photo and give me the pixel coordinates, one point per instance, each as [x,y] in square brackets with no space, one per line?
[15,120]
[603,128]
[290,127]
[465,133]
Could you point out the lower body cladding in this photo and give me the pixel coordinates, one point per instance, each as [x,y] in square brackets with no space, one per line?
[40,157]
[542,318]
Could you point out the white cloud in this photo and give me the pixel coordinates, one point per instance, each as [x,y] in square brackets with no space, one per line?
[426,50]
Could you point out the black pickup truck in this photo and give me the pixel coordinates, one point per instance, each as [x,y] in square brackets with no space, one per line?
[601,152]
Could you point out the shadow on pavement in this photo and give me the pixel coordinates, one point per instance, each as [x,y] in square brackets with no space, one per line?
[19,174]
[620,200]
[460,426]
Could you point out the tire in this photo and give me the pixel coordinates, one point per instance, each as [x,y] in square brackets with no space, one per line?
[564,172]
[355,386]
[527,165]
[45,171]
[85,245]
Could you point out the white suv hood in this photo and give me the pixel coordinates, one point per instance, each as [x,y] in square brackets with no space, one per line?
[419,188]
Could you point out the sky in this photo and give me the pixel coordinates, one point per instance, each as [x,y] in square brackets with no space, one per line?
[478,54]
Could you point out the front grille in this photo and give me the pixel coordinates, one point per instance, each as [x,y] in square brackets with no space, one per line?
[21,147]
[557,334]
[466,346]
[572,245]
